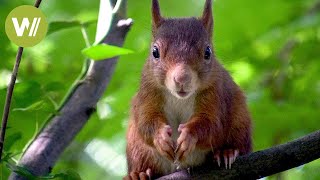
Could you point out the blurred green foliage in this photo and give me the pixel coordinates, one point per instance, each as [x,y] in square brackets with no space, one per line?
[270,47]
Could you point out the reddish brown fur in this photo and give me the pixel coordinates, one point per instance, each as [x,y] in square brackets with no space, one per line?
[220,119]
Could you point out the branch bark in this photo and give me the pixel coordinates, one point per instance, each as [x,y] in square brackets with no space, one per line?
[43,152]
[261,163]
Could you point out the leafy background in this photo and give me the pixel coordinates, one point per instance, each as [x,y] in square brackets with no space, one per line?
[271,48]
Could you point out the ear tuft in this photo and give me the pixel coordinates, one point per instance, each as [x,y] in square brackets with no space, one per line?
[156,15]
[207,18]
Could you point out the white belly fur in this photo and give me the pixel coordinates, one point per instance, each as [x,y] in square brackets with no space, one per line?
[179,111]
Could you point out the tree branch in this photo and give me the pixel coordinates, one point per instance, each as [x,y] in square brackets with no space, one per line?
[43,152]
[261,163]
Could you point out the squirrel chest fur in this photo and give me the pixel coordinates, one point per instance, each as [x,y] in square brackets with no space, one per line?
[177,111]
[188,111]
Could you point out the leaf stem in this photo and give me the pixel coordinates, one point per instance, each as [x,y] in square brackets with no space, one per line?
[85,35]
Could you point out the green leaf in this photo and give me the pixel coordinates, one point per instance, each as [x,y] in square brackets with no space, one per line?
[67,175]
[26,93]
[10,140]
[54,86]
[7,156]
[104,51]
[21,171]
[60,25]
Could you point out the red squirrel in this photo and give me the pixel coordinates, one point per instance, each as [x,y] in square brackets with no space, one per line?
[187,107]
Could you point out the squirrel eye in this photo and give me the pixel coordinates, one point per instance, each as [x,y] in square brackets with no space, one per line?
[207,53]
[155,52]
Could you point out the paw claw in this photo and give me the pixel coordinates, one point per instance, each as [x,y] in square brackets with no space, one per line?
[236,154]
[149,173]
[230,162]
[226,162]
[217,157]
[229,157]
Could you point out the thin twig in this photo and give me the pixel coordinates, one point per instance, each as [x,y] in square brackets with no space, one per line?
[37,4]
[8,99]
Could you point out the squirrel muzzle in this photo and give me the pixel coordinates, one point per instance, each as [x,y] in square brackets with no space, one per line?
[181,81]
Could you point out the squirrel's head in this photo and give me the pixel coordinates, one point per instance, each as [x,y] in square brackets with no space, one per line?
[181,56]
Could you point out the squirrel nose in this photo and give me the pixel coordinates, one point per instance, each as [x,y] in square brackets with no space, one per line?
[182,79]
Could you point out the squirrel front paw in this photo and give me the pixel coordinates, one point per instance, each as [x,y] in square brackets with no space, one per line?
[135,175]
[186,142]
[164,143]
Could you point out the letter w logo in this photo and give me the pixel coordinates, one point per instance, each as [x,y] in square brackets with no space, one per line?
[25,25]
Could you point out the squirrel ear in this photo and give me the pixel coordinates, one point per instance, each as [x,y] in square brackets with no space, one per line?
[207,18]
[156,16]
